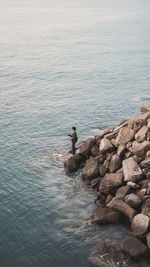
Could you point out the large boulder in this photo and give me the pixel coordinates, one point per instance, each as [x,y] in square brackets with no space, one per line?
[91,169]
[73,163]
[115,163]
[141,134]
[105,146]
[141,149]
[86,147]
[123,207]
[123,191]
[125,135]
[110,182]
[105,215]
[131,170]
[133,248]
[140,225]
[133,200]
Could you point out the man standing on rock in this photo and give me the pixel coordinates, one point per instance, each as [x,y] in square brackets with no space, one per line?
[73,139]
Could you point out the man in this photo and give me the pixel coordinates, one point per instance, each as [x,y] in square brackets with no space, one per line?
[73,139]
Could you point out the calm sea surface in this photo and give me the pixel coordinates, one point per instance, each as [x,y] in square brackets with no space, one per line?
[62,63]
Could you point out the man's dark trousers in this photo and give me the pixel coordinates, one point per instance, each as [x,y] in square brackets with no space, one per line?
[73,147]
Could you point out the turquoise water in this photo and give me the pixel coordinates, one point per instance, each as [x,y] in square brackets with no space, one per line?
[62,63]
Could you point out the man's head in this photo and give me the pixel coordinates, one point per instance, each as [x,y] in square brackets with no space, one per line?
[73,129]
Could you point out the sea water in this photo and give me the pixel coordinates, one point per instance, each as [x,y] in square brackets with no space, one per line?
[63,63]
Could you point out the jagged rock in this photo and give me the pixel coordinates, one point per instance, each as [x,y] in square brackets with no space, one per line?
[137,122]
[145,109]
[141,134]
[145,163]
[120,205]
[148,239]
[106,164]
[110,182]
[142,193]
[115,163]
[105,146]
[101,158]
[133,185]
[73,163]
[137,159]
[129,144]
[142,148]
[111,136]
[86,147]
[148,124]
[148,154]
[134,248]
[105,215]
[133,200]
[123,191]
[102,170]
[144,183]
[121,150]
[140,225]
[119,171]
[131,170]
[113,142]
[105,131]
[125,135]
[91,169]
[95,151]
[134,144]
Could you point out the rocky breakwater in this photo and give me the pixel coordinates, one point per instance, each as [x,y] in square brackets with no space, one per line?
[116,163]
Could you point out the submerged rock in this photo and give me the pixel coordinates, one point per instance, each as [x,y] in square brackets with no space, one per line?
[134,248]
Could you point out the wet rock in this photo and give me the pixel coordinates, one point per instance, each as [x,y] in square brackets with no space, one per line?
[73,163]
[131,170]
[121,150]
[110,182]
[140,225]
[123,207]
[123,191]
[105,146]
[91,169]
[102,170]
[133,200]
[105,215]
[125,135]
[133,185]
[148,239]
[141,134]
[86,147]
[115,163]
[142,148]
[134,248]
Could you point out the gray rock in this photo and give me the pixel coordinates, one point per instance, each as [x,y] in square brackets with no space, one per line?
[110,182]
[123,191]
[133,247]
[131,170]
[141,149]
[105,146]
[120,205]
[91,169]
[133,200]
[115,163]
[125,135]
[140,225]
[105,215]
[86,147]
[141,134]
[73,163]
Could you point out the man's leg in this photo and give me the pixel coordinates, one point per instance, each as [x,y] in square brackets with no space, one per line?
[73,148]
